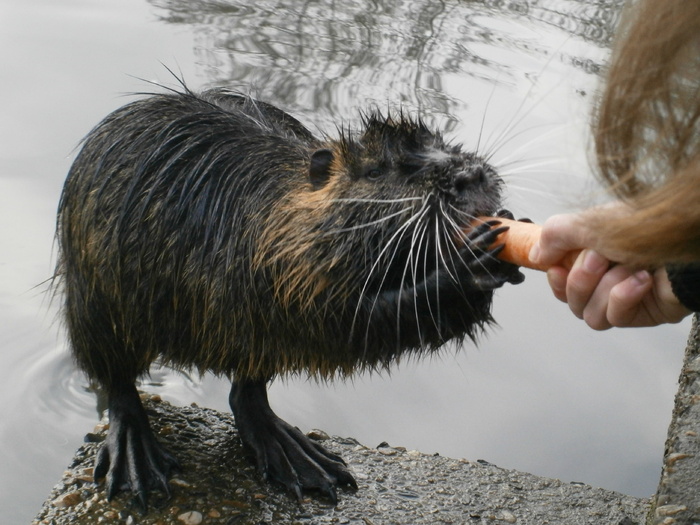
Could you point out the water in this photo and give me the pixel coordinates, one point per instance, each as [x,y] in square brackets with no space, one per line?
[542,393]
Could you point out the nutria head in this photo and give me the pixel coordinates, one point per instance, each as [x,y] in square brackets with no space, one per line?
[381,207]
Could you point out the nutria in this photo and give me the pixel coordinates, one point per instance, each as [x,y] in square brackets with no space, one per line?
[215,232]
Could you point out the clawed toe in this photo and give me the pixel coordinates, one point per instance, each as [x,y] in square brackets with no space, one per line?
[131,458]
[137,465]
[298,463]
[506,214]
[484,235]
[283,453]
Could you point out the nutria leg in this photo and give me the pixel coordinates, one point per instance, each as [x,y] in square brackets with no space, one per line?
[424,313]
[475,269]
[282,452]
[130,457]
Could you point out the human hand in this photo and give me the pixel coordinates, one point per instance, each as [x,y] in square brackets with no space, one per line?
[599,292]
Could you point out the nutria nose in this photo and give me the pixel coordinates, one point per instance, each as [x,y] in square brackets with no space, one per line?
[465,180]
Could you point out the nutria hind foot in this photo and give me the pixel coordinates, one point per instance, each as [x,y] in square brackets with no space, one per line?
[282,452]
[131,458]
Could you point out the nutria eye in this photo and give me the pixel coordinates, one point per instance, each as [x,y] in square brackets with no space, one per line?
[373,173]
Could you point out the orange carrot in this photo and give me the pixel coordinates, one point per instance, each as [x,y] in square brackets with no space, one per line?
[519,239]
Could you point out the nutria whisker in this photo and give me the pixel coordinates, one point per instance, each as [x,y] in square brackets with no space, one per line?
[459,234]
[411,265]
[436,249]
[468,217]
[517,117]
[527,146]
[538,188]
[368,224]
[396,238]
[453,249]
[449,269]
[434,315]
[517,166]
[378,201]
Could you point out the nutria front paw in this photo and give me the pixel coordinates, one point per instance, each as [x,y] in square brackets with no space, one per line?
[482,270]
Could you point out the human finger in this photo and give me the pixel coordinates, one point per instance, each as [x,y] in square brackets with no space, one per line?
[597,311]
[627,306]
[584,277]
[556,277]
[561,234]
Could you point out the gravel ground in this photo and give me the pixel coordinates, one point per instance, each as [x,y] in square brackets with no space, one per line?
[218,485]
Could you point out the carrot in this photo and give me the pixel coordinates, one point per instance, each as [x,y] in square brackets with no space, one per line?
[519,239]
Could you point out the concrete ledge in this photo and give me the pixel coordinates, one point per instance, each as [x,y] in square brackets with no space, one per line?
[677,499]
[218,485]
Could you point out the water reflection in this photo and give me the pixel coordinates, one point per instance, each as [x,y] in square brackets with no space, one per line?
[318,59]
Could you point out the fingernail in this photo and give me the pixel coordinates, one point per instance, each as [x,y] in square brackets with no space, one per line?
[557,281]
[594,262]
[534,254]
[642,277]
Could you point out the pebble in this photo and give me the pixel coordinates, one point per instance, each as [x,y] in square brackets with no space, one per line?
[317,435]
[150,397]
[101,427]
[68,500]
[87,474]
[670,510]
[179,482]
[191,518]
[672,458]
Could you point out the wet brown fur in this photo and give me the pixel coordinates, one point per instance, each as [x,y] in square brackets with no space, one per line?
[297,278]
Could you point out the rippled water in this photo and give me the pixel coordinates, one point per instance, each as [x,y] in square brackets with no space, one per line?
[542,393]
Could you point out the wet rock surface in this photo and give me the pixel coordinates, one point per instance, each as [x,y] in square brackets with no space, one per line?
[219,485]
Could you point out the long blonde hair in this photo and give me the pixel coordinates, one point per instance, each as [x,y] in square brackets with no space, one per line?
[647,133]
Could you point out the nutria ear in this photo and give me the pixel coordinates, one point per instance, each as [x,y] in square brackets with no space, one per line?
[320,169]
